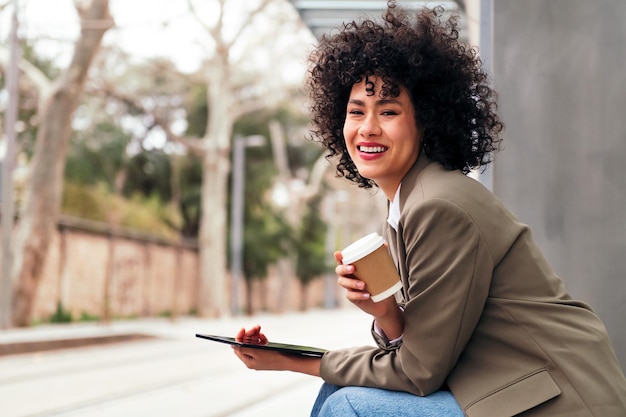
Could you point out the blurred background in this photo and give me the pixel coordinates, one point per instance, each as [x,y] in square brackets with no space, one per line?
[156,165]
[166,145]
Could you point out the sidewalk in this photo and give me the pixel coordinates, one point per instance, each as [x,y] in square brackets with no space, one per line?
[167,370]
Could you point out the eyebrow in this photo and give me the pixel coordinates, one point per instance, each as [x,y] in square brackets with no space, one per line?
[380,102]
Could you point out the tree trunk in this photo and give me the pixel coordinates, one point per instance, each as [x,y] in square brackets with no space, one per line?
[216,169]
[212,235]
[37,222]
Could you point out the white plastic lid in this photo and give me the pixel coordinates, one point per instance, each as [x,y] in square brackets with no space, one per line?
[361,248]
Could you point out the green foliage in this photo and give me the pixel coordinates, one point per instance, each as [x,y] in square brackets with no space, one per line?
[265,238]
[197,109]
[84,201]
[165,314]
[190,204]
[61,315]
[86,317]
[149,190]
[97,155]
[98,203]
[267,235]
[150,214]
[265,231]
[310,245]
[149,173]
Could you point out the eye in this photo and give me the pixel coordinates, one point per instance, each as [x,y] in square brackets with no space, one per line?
[389,113]
[355,111]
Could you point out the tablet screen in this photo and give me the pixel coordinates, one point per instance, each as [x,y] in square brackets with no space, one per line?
[280,347]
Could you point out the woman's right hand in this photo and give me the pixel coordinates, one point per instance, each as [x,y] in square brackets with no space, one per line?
[356,292]
[386,312]
[271,360]
[252,336]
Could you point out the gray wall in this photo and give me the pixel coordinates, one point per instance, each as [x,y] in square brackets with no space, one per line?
[560,70]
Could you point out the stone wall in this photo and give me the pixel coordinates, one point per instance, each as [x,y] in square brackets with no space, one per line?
[95,271]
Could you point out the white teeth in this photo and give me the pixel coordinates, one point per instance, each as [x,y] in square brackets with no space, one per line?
[372,149]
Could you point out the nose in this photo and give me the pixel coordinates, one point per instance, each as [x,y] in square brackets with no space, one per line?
[369,127]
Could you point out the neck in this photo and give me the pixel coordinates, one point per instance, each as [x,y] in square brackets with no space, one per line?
[389,190]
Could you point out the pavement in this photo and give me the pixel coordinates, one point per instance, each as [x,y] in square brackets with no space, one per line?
[157,367]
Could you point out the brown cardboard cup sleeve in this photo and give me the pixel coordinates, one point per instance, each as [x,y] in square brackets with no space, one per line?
[373,265]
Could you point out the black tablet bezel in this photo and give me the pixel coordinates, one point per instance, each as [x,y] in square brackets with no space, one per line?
[289,349]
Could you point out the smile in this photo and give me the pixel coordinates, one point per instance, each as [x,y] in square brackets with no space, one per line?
[372,149]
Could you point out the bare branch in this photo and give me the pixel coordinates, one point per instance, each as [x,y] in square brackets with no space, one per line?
[193,144]
[248,106]
[315,178]
[279,149]
[87,22]
[249,18]
[41,82]
[214,32]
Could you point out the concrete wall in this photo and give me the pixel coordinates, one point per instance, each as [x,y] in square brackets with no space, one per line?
[560,69]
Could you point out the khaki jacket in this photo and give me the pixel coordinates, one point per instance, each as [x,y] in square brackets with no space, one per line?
[485,315]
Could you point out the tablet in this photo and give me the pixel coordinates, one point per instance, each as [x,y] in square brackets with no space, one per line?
[280,347]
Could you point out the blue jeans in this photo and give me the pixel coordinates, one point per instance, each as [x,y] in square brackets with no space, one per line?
[336,401]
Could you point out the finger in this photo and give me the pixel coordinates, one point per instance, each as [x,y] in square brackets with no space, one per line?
[254,330]
[254,336]
[351,283]
[253,340]
[344,270]
[240,335]
[338,257]
[357,296]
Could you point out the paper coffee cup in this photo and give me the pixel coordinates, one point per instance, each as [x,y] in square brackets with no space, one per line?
[373,265]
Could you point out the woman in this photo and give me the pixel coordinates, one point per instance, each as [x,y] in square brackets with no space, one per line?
[482,326]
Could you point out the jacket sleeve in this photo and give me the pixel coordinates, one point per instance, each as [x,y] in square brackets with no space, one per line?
[449,271]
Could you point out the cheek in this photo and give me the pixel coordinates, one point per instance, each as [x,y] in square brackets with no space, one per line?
[346,130]
[348,135]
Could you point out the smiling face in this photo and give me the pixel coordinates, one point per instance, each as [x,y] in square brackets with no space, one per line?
[381,134]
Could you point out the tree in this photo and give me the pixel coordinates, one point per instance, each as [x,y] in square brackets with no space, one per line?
[310,247]
[144,98]
[266,239]
[245,44]
[272,227]
[97,155]
[233,90]
[57,105]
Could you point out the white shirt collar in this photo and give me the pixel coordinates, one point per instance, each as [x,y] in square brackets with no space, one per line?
[394,210]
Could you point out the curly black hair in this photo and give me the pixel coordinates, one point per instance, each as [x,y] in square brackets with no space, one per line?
[420,51]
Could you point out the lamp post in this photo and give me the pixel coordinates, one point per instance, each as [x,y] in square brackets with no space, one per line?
[6,185]
[237,200]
